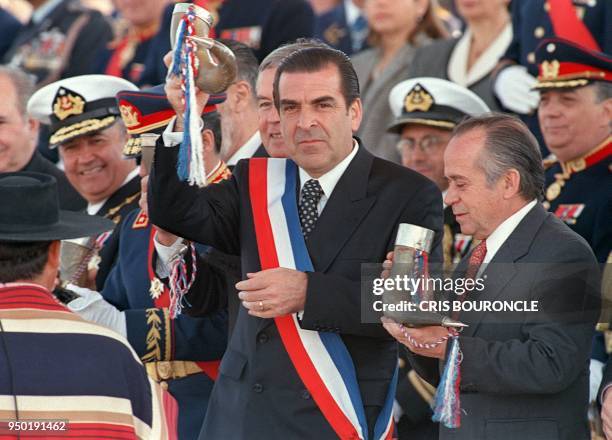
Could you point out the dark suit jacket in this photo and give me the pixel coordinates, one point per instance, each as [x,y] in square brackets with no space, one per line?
[258,393]
[525,375]
[69,198]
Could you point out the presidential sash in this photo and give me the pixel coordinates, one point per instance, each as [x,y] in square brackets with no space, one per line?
[320,358]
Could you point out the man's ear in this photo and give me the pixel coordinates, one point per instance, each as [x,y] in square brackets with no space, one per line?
[512,183]
[243,95]
[208,141]
[53,259]
[356,114]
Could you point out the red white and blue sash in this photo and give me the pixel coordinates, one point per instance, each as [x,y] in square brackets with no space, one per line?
[320,358]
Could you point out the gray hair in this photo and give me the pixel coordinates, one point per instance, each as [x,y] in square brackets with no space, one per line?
[508,145]
[274,58]
[603,91]
[24,84]
[245,60]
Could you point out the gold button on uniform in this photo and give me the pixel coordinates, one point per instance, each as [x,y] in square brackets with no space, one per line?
[539,32]
[531,57]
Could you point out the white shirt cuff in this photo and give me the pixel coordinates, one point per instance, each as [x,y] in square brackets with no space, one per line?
[164,255]
[172,138]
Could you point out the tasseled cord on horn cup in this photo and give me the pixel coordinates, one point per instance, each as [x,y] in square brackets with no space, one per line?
[185,65]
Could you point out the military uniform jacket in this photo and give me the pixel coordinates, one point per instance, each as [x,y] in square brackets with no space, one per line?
[584,199]
[531,24]
[122,202]
[62,45]
[133,287]
[258,393]
[9,27]
[265,25]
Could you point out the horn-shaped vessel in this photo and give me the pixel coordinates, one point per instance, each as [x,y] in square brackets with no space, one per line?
[217,63]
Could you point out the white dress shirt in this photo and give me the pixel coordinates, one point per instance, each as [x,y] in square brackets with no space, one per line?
[93,208]
[247,150]
[329,180]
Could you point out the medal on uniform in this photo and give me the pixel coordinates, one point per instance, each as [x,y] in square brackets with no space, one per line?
[553,191]
[157,288]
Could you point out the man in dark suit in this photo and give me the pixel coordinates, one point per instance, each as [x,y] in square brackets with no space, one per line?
[239,119]
[524,374]
[362,199]
[19,134]
[426,110]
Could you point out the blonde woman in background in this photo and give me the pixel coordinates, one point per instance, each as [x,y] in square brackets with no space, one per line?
[397,28]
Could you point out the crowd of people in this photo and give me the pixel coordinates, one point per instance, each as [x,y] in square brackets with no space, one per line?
[234,308]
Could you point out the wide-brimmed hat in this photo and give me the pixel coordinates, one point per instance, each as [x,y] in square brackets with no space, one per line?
[29,211]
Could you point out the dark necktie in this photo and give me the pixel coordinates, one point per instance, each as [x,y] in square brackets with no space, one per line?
[311,194]
[474,263]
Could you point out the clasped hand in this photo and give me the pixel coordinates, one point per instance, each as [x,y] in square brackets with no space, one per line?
[273,292]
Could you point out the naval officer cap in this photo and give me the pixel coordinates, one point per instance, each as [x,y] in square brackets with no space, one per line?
[434,102]
[78,105]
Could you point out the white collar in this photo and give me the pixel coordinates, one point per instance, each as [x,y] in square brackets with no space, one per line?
[247,150]
[43,10]
[351,12]
[444,205]
[329,180]
[93,208]
[457,64]
[503,231]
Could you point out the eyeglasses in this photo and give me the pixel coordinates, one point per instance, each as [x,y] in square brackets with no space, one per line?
[426,145]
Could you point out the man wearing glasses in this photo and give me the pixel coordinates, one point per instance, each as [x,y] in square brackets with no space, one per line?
[426,110]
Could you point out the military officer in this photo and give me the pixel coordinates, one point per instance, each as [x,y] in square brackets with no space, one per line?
[343,27]
[60,41]
[183,353]
[575,114]
[426,110]
[585,22]
[86,127]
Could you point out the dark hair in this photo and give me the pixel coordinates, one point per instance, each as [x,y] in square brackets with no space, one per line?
[22,260]
[212,122]
[246,62]
[508,145]
[314,59]
[274,58]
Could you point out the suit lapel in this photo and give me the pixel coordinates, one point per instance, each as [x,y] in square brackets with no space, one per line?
[503,268]
[343,212]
